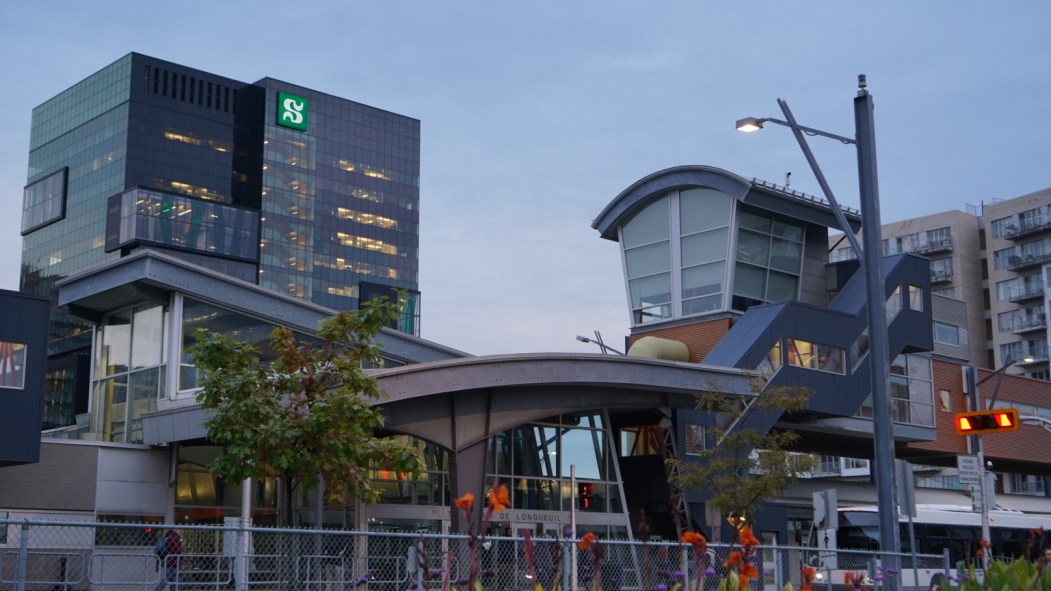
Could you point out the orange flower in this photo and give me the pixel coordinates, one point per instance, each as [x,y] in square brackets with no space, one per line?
[696,540]
[589,540]
[848,578]
[747,539]
[734,560]
[465,502]
[807,574]
[747,573]
[499,499]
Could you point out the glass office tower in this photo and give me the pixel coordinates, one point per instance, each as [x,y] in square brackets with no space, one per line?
[296,190]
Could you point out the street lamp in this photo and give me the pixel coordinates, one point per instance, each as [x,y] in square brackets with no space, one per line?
[598,341]
[978,443]
[872,266]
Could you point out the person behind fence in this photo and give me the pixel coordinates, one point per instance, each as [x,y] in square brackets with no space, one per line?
[168,550]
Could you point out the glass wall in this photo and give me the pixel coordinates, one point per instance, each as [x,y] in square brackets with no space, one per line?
[704,225]
[675,252]
[534,460]
[129,370]
[201,315]
[769,258]
[911,392]
[647,258]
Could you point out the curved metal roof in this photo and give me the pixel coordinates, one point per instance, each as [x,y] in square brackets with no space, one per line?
[757,192]
[458,402]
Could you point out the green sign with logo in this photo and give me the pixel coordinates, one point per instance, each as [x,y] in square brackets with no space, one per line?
[292,110]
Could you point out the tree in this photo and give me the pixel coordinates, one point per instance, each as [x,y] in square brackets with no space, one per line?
[745,468]
[307,414]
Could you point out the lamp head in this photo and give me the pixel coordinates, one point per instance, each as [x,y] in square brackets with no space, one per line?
[1027,358]
[583,339]
[749,124]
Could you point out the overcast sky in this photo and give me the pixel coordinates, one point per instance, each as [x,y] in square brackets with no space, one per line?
[535,115]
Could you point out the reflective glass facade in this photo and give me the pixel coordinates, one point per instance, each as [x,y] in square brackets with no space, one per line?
[147,153]
[695,251]
[340,199]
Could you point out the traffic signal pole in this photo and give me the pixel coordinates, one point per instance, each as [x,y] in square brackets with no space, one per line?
[978,448]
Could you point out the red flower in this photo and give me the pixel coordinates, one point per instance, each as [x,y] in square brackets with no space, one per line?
[747,539]
[498,499]
[696,540]
[748,572]
[589,540]
[807,576]
[465,502]
[734,560]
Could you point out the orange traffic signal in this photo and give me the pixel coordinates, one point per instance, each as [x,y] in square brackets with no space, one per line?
[987,421]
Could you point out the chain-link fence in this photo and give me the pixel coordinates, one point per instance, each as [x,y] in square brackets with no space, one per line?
[70,556]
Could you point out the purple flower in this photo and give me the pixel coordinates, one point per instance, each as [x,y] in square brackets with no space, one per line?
[435,573]
[460,581]
[414,586]
[568,532]
[709,571]
[660,587]
[678,575]
[364,578]
[587,577]
[488,572]
[891,571]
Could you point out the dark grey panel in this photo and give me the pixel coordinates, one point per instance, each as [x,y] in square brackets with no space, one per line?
[23,320]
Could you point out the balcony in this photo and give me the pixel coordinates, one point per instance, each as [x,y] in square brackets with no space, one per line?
[1024,325]
[1025,261]
[1039,355]
[1027,227]
[935,246]
[941,276]
[1027,292]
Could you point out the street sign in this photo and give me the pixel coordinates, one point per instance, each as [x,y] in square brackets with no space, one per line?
[970,471]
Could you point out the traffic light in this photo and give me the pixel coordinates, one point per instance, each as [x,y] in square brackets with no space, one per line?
[987,421]
[585,491]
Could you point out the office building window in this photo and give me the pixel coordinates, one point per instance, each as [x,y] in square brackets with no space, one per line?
[946,334]
[44,201]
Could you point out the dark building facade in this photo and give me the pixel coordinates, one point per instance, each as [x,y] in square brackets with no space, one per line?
[301,192]
[23,352]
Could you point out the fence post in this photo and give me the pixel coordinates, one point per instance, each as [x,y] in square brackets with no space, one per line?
[684,566]
[23,558]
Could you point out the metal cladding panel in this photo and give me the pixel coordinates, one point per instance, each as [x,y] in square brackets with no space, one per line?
[753,335]
[23,320]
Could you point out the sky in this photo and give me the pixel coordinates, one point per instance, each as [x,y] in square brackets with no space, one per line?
[535,115]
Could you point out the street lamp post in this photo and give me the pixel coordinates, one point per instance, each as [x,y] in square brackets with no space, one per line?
[872,265]
[598,341]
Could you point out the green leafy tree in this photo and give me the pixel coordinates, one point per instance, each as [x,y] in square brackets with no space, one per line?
[745,468]
[307,414]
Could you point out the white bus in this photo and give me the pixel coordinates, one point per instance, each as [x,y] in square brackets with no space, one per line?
[1013,534]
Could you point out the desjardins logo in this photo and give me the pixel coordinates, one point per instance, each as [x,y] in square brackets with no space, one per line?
[292,110]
